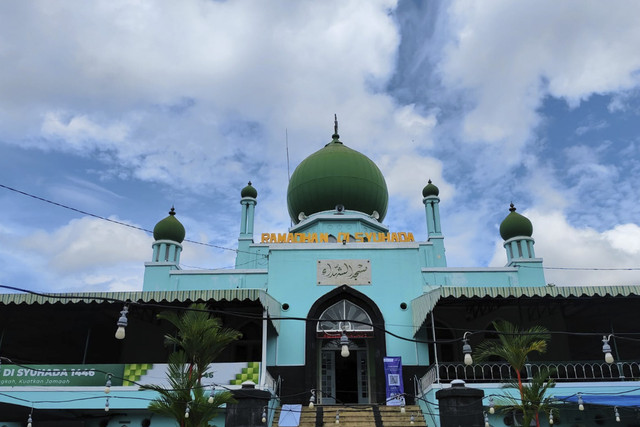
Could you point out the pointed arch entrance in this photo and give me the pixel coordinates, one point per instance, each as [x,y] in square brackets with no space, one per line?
[359,377]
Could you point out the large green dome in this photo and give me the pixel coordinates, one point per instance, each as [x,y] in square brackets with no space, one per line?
[337,175]
[515,225]
[169,228]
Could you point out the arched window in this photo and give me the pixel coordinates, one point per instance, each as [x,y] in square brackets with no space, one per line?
[344,315]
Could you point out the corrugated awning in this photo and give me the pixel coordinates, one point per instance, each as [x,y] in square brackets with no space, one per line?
[267,301]
[539,291]
[422,305]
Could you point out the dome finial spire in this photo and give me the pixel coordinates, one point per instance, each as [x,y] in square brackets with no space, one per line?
[335,128]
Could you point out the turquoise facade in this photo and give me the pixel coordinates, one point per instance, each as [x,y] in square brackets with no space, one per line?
[400,272]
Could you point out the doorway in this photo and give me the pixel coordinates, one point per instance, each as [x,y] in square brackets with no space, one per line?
[358,377]
[344,379]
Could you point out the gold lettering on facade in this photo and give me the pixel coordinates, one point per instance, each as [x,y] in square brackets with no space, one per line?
[346,237]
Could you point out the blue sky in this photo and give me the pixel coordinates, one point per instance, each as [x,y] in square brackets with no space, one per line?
[123,109]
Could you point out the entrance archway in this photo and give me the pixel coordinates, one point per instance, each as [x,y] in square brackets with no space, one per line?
[357,378]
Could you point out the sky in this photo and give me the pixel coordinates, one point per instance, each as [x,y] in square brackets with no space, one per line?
[120,109]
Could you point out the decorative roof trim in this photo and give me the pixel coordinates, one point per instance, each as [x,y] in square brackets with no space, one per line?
[539,291]
[267,301]
[424,304]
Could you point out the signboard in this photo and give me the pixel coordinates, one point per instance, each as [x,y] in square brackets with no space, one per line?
[344,272]
[340,238]
[132,374]
[393,379]
[59,375]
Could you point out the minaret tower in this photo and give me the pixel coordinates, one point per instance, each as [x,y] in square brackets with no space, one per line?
[516,231]
[168,234]
[248,201]
[167,247]
[432,207]
[431,203]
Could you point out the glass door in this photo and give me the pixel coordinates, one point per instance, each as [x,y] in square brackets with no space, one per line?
[343,379]
[363,377]
[327,393]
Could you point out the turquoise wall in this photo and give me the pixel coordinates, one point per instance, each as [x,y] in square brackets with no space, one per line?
[292,280]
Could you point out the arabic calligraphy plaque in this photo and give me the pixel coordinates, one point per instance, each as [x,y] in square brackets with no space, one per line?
[338,272]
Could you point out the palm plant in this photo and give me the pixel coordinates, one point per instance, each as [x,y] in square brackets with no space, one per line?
[199,335]
[534,397]
[200,338]
[514,346]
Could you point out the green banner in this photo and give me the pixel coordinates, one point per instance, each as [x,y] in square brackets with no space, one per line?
[128,375]
[60,375]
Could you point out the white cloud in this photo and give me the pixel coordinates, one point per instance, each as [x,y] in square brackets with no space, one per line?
[87,253]
[406,176]
[78,129]
[413,123]
[505,57]
[565,247]
[88,243]
[193,92]
[581,130]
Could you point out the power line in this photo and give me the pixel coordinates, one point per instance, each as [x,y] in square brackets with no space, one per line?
[580,268]
[61,205]
[42,199]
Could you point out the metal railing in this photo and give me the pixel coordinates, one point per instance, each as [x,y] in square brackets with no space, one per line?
[578,371]
[427,379]
[273,385]
[417,386]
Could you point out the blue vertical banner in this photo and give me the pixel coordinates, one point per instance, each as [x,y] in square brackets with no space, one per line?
[393,378]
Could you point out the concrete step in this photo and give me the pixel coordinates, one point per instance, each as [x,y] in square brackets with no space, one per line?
[358,416]
[393,417]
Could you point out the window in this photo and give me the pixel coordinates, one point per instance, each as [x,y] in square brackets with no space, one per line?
[344,315]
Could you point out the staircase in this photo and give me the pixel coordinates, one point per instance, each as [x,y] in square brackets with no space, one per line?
[358,416]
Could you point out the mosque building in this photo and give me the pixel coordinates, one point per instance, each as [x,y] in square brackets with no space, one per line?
[337,310]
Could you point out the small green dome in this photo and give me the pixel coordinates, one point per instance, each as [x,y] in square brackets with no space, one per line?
[249,191]
[515,225]
[169,228]
[337,175]
[430,190]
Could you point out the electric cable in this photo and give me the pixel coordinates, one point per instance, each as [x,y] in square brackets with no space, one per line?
[61,205]
[113,221]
